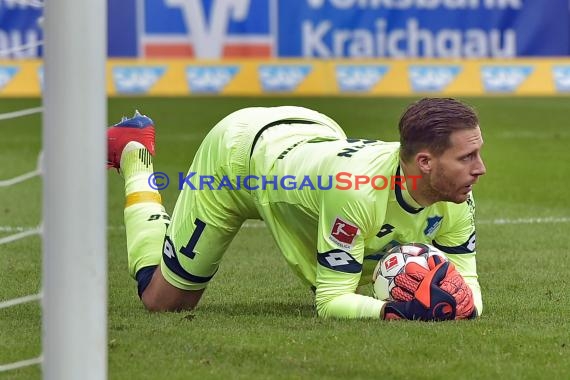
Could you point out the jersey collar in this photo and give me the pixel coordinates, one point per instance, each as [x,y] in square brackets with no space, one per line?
[404,198]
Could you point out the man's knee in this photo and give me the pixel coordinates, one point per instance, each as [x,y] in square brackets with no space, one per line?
[154,305]
[160,295]
[172,304]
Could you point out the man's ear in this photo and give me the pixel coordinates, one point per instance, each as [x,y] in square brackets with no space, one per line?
[424,162]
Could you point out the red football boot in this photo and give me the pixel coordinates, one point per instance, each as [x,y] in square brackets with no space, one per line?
[139,128]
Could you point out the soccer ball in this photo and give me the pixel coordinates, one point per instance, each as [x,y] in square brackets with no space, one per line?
[394,262]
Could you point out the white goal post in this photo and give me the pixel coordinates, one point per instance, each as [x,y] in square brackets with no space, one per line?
[74,191]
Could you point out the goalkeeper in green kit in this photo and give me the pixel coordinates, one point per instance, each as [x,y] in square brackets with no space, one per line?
[331,203]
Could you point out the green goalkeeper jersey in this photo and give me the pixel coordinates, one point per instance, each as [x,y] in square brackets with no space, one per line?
[331,223]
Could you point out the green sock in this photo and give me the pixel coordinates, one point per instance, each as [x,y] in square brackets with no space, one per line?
[145,218]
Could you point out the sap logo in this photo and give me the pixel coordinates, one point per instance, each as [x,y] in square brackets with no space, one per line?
[504,78]
[561,76]
[432,78]
[6,75]
[209,79]
[282,77]
[358,77]
[135,79]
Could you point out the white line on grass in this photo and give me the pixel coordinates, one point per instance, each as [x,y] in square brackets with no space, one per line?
[20,235]
[26,112]
[545,220]
[561,219]
[20,178]
[20,364]
[20,300]
[14,229]
[260,224]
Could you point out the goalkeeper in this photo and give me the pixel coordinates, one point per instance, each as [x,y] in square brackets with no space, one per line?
[329,235]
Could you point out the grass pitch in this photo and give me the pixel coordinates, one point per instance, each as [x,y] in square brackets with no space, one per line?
[256,320]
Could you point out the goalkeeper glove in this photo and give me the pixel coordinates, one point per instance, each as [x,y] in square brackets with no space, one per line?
[453,283]
[429,303]
[408,282]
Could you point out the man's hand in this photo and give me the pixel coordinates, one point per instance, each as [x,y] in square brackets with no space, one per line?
[454,284]
[429,303]
[408,284]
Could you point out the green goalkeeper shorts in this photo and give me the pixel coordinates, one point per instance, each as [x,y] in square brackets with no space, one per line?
[214,203]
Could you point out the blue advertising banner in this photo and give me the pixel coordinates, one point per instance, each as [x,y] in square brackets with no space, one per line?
[122,28]
[423,28]
[213,29]
[20,29]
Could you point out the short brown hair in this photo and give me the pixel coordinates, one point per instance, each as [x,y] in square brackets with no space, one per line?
[428,123]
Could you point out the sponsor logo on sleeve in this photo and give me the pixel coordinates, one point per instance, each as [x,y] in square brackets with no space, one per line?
[210,79]
[282,78]
[432,78]
[359,78]
[504,79]
[343,233]
[136,79]
[6,75]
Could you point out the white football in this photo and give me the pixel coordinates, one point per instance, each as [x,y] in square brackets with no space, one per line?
[394,262]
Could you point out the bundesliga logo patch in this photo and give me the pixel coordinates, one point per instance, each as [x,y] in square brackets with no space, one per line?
[343,233]
[391,262]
